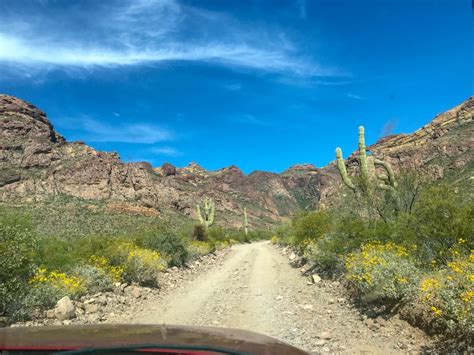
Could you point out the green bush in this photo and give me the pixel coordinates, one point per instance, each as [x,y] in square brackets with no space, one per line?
[95,279]
[40,297]
[440,217]
[17,247]
[199,233]
[169,243]
[198,248]
[310,227]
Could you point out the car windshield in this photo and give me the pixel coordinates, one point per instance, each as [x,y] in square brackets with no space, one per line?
[252,176]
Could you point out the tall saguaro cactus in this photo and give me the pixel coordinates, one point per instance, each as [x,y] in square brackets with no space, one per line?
[207,217]
[246,229]
[364,161]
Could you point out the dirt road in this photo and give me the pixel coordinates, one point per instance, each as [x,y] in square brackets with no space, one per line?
[254,288]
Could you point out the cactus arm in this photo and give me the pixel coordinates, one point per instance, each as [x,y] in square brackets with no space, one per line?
[342,170]
[364,169]
[388,169]
[210,219]
[198,213]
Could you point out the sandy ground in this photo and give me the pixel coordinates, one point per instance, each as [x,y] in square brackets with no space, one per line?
[255,289]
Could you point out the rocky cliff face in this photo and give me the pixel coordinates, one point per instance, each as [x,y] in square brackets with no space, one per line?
[443,148]
[36,163]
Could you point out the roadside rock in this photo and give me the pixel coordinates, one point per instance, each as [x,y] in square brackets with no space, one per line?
[315,278]
[92,308]
[133,291]
[324,335]
[50,313]
[65,309]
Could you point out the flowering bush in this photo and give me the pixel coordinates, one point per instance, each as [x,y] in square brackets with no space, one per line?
[139,264]
[382,271]
[449,293]
[197,248]
[102,263]
[47,287]
[95,279]
[67,285]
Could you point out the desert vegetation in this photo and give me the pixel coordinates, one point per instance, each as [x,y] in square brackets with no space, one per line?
[69,247]
[397,241]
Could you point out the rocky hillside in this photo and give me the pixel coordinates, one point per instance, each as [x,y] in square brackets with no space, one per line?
[37,163]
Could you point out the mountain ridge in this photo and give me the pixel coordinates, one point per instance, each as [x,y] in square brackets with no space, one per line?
[37,163]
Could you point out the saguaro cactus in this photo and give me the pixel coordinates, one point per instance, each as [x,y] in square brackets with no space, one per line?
[206,218]
[246,229]
[389,180]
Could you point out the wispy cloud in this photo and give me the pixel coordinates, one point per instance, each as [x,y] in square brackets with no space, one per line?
[302,8]
[167,151]
[133,32]
[354,96]
[93,130]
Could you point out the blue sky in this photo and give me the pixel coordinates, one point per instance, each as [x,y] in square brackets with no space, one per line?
[259,84]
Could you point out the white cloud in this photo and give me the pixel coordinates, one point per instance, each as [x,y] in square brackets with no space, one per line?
[93,130]
[168,151]
[354,96]
[136,32]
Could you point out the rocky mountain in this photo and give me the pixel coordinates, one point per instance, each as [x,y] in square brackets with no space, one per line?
[37,163]
[443,148]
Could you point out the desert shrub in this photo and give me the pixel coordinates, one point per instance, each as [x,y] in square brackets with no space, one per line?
[348,234]
[140,265]
[217,234]
[17,247]
[199,232]
[198,248]
[259,234]
[41,296]
[103,264]
[61,253]
[449,294]
[382,271]
[284,234]
[170,244]
[95,279]
[441,216]
[45,289]
[310,227]
[274,239]
[69,285]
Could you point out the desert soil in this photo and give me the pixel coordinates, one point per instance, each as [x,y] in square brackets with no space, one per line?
[254,288]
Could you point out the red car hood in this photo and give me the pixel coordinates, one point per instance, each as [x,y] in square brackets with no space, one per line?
[122,335]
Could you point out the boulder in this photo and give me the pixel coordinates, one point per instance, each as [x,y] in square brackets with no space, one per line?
[168,169]
[65,309]
[92,308]
[50,313]
[133,291]
[315,278]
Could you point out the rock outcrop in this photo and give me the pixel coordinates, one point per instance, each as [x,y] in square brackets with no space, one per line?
[36,163]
